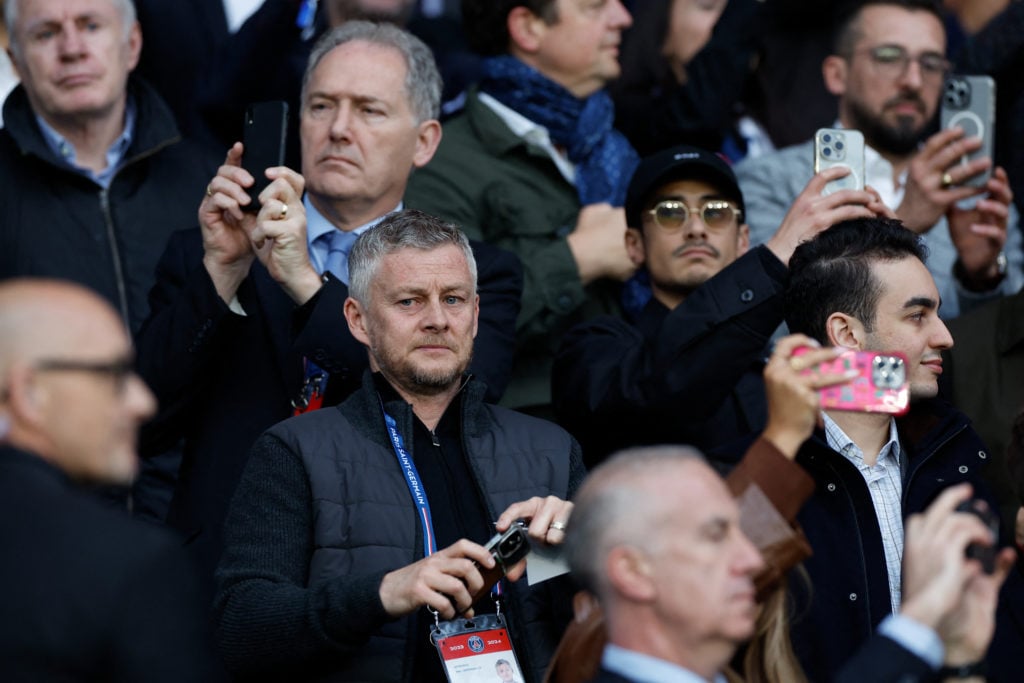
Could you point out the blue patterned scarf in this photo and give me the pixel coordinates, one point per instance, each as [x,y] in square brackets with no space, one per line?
[604,159]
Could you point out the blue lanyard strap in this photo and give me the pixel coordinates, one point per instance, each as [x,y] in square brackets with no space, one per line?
[412,479]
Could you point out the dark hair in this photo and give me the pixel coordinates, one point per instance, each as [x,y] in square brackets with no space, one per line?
[847,33]
[485,22]
[832,272]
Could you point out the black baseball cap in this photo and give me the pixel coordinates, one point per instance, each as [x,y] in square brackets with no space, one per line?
[679,163]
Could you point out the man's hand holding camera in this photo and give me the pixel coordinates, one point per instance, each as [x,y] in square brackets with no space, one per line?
[447,580]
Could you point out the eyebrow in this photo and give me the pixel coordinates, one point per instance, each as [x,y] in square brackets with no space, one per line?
[923,301]
[707,196]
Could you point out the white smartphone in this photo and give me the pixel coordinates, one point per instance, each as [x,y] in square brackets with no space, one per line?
[840,147]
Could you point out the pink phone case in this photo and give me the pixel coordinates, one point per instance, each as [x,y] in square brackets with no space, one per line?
[880,385]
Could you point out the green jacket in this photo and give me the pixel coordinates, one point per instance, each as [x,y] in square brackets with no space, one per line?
[502,190]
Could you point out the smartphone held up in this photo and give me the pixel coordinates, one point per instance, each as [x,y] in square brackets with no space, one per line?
[879,386]
[840,147]
[263,144]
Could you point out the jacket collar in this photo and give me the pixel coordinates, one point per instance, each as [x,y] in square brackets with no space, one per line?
[492,132]
[154,128]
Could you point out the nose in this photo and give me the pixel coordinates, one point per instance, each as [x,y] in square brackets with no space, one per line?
[71,42]
[942,339]
[139,400]
[912,78]
[435,317]
[748,558]
[341,124]
[620,16]
[694,226]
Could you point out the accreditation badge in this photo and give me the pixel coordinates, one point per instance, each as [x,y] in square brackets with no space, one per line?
[477,650]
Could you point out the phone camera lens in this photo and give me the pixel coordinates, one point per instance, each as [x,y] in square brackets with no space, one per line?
[839,146]
[510,545]
[826,138]
[826,152]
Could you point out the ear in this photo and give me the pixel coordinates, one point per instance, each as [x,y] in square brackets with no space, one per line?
[25,399]
[356,319]
[846,331]
[525,30]
[835,70]
[743,239]
[134,46]
[635,248]
[427,139]
[14,62]
[629,573]
[476,315]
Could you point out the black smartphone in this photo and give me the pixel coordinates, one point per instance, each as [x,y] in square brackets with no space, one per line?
[266,125]
[506,548]
[985,554]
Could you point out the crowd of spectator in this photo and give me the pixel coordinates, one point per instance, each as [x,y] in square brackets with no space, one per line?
[563,273]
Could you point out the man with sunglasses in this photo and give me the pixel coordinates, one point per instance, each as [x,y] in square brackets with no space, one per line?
[688,368]
[888,70]
[87,592]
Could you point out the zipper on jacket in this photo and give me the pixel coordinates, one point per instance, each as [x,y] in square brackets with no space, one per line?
[122,293]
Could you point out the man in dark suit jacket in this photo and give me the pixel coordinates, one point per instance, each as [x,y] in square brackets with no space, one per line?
[88,593]
[248,309]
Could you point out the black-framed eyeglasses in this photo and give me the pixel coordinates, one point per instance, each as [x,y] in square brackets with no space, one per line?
[892,61]
[671,214]
[119,370]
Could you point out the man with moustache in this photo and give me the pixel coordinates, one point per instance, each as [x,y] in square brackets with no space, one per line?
[888,71]
[688,368]
[350,522]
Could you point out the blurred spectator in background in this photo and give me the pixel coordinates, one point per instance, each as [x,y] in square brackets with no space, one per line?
[86,593]
[8,79]
[96,176]
[680,82]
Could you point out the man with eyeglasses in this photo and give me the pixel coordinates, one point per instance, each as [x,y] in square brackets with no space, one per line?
[87,592]
[888,71]
[688,369]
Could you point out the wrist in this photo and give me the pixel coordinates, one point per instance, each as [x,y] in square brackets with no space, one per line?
[302,287]
[982,280]
[974,669]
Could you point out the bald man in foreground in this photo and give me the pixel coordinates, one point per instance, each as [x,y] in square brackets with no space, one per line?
[86,593]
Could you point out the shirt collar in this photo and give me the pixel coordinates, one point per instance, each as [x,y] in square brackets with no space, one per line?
[318,225]
[843,444]
[531,132]
[643,668]
[60,146]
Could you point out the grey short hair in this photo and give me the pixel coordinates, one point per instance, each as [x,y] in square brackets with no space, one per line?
[406,229]
[422,79]
[126,8]
[614,508]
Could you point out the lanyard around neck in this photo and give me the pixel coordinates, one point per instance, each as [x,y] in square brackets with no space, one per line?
[413,481]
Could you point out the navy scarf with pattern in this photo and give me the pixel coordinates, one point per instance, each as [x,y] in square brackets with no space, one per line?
[604,159]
